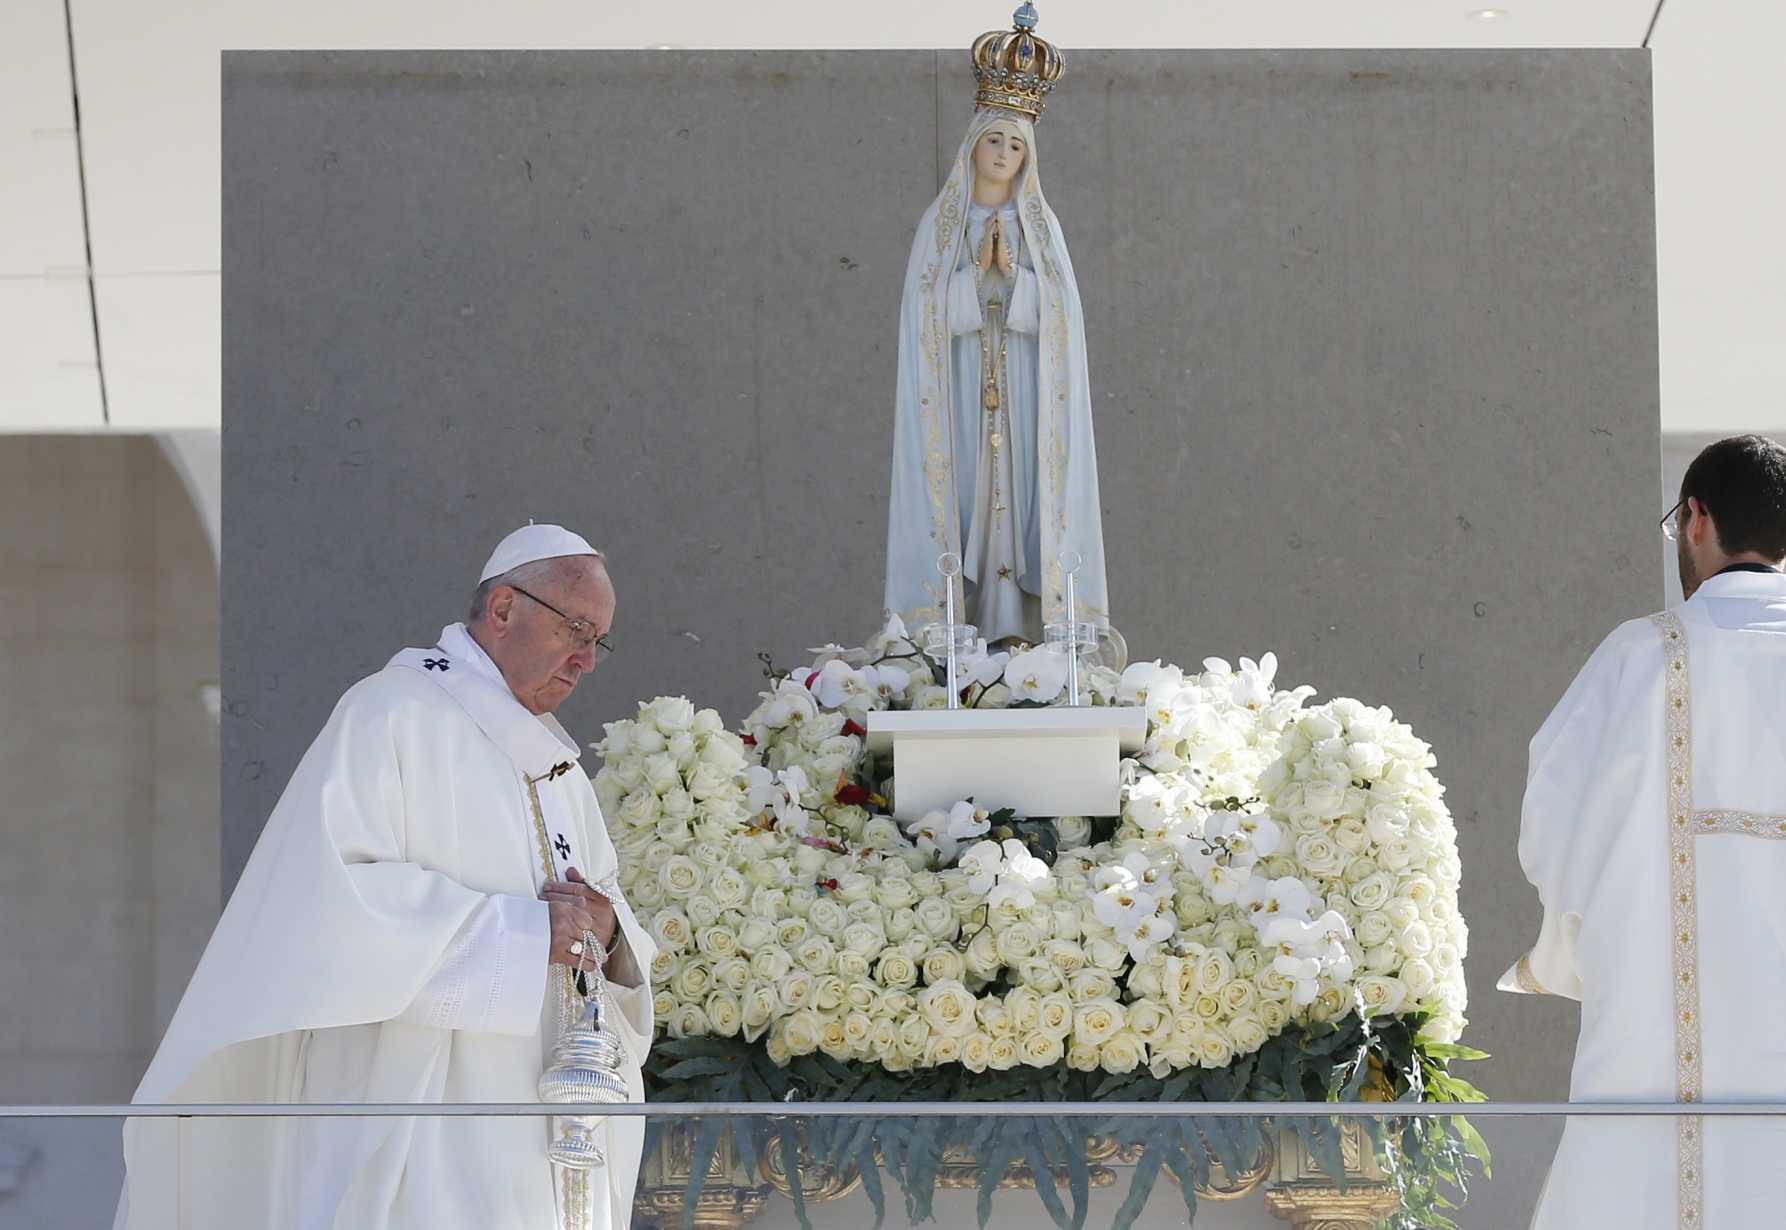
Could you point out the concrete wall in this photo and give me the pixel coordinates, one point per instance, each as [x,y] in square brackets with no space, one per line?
[108,812]
[1373,347]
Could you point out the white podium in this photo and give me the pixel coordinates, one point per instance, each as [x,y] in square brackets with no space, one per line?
[1039,762]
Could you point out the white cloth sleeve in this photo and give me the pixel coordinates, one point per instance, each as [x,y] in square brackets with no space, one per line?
[964,303]
[1585,771]
[1026,303]
[492,977]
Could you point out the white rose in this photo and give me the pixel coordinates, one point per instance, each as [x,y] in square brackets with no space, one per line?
[867,939]
[941,1049]
[827,916]
[1003,1054]
[640,809]
[724,1013]
[1016,942]
[1213,1048]
[771,964]
[1072,831]
[1121,1053]
[948,1007]
[943,964]
[1054,1016]
[1091,984]
[1418,977]
[914,1038]
[679,876]
[1416,940]
[897,970]
[1096,1022]
[1248,1033]
[733,974]
[692,982]
[976,1052]
[801,1032]
[670,714]
[795,989]
[1374,928]
[827,993]
[1040,975]
[936,917]
[1319,855]
[756,933]
[1041,1050]
[1082,1058]
[1381,993]
[662,776]
[1372,892]
[1024,1004]
[671,930]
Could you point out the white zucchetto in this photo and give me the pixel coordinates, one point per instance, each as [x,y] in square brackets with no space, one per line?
[534,542]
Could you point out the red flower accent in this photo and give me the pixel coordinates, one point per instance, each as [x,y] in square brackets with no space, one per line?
[852,795]
[850,728]
[749,740]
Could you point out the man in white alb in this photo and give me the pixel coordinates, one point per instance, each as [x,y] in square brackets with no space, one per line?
[405,931]
[1655,832]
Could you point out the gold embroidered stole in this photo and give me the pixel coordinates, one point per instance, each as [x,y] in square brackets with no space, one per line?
[1685,826]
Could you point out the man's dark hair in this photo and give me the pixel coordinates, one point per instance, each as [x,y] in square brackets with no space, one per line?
[1742,483]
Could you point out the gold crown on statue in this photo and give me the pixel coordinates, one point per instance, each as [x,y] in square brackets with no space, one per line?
[1016,69]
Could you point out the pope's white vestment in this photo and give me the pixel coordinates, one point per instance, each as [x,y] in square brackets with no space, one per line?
[1655,832]
[386,944]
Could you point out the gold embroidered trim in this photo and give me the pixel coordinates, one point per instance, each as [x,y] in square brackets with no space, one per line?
[1525,979]
[1684,825]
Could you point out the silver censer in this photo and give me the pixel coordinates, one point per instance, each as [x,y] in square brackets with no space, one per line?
[586,1068]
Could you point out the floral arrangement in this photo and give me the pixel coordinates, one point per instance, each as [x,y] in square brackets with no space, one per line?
[1274,913]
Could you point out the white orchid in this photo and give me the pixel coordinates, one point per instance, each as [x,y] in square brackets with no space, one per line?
[1305,951]
[1140,920]
[1248,836]
[980,666]
[940,834]
[1157,802]
[1006,872]
[838,685]
[1142,679]
[1284,897]
[888,682]
[1036,675]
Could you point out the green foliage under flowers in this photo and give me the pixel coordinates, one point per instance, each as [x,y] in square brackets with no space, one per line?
[1383,1061]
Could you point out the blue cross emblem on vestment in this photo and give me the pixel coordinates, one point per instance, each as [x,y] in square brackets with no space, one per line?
[436,664]
[563,847]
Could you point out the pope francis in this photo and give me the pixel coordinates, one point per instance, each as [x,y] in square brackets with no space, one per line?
[406,931]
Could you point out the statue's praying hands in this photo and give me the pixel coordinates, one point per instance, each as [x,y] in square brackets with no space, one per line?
[996,246]
[576,908]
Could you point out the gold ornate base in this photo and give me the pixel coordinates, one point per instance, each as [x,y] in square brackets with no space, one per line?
[1296,1189]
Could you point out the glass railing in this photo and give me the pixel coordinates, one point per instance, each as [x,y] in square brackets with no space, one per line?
[1008,1165]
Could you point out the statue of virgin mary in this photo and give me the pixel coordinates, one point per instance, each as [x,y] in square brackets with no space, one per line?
[993,458]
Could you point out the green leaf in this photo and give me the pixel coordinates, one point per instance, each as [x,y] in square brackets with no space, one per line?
[1147,1170]
[705,1066]
[1043,1173]
[1451,1050]
[700,1161]
[870,1170]
[790,1161]
[1180,1165]
[1473,1143]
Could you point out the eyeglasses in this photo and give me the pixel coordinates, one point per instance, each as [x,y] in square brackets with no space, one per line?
[582,632]
[1671,527]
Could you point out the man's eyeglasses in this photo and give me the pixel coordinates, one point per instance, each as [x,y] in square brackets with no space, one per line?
[1671,526]
[582,632]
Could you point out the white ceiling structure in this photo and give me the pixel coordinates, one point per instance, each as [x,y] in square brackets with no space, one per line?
[109,226]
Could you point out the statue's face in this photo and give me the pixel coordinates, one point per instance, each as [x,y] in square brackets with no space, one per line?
[999,155]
